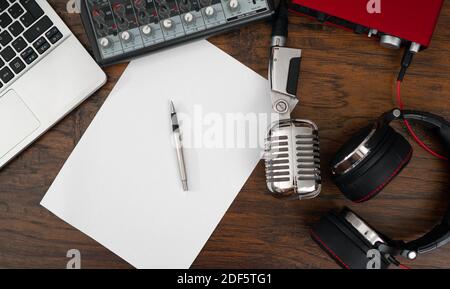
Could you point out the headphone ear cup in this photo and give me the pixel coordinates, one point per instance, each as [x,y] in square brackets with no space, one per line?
[341,241]
[355,140]
[391,152]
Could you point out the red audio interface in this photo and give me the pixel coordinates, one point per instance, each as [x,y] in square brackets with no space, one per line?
[396,22]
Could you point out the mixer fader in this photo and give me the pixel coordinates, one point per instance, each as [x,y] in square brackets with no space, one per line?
[123,29]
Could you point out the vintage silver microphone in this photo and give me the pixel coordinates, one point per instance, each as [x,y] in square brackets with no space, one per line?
[292,155]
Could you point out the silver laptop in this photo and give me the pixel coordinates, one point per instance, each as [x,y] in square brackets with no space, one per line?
[44,73]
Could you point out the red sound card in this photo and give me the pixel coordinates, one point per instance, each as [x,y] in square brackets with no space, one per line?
[396,22]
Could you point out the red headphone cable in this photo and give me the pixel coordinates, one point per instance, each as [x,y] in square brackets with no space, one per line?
[411,131]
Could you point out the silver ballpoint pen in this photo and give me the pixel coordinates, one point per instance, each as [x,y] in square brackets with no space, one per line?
[178,146]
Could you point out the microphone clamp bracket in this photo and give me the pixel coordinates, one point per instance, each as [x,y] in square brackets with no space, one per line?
[284,72]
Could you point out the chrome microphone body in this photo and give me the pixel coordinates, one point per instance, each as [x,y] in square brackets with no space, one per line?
[292,154]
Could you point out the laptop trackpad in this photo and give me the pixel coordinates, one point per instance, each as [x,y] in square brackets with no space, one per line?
[16,121]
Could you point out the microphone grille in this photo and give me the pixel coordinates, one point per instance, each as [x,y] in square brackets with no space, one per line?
[292,159]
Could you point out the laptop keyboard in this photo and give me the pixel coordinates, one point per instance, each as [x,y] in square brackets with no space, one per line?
[26,33]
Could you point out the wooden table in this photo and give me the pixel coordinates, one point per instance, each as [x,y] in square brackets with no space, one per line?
[346,81]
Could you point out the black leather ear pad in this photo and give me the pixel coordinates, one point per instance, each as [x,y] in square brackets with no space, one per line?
[390,153]
[343,243]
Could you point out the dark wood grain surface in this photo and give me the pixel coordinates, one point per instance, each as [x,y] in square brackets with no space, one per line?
[346,81]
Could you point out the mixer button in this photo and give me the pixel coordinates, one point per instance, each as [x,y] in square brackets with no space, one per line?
[209,11]
[147,30]
[233,4]
[188,17]
[167,23]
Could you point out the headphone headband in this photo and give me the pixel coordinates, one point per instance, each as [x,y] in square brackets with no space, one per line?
[440,123]
[440,234]
[425,117]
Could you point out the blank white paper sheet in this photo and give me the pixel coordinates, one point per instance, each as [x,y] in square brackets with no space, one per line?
[121,186]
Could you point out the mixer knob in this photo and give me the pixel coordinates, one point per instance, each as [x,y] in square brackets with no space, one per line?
[205,3]
[164,10]
[139,3]
[119,9]
[209,11]
[390,41]
[185,5]
[188,17]
[146,30]
[105,42]
[167,23]
[233,4]
[126,36]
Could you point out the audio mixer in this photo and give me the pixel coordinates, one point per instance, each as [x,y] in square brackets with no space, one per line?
[122,29]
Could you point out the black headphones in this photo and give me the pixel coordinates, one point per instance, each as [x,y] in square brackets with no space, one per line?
[361,169]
